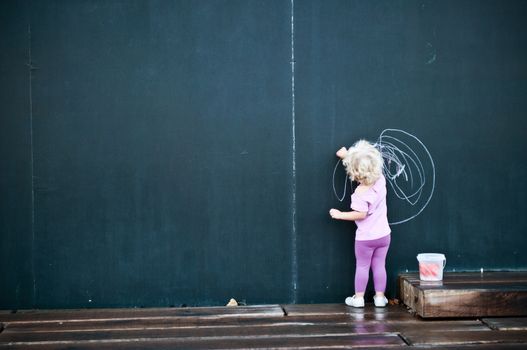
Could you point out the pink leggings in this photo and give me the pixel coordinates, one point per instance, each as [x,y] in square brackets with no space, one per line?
[371,253]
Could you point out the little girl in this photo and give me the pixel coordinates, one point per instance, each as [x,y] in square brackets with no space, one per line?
[363,164]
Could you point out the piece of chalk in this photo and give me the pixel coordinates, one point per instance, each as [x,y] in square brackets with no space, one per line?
[232,302]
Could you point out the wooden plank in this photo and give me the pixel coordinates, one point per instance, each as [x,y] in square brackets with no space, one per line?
[390,324]
[474,277]
[315,309]
[465,337]
[235,328]
[469,303]
[411,332]
[494,346]
[379,341]
[443,285]
[489,287]
[106,314]
[439,326]
[190,323]
[186,314]
[394,313]
[340,309]
[198,333]
[507,324]
[171,323]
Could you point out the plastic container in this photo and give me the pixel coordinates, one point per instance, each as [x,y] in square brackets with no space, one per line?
[431,266]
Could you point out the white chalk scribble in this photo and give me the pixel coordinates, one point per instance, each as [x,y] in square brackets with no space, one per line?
[404,170]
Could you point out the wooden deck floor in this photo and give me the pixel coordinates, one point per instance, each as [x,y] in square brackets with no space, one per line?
[254,327]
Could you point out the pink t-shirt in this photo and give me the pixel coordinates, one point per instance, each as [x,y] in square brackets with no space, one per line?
[373,201]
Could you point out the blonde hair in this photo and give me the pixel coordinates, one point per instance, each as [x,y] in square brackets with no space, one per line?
[363,162]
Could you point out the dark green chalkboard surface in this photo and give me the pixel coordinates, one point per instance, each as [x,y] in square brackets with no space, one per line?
[452,73]
[158,153]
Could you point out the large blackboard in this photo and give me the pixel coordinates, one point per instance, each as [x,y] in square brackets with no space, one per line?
[159,153]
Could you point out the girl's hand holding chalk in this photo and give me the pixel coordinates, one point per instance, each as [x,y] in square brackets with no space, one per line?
[341,153]
[347,215]
[335,213]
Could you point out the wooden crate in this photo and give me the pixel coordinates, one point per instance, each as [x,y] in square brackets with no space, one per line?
[463,294]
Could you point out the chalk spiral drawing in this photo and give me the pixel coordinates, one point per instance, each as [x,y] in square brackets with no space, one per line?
[403,170]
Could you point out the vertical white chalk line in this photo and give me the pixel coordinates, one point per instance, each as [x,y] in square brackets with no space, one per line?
[32,167]
[294,258]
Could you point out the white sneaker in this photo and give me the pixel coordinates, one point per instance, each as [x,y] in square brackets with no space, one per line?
[380,301]
[355,301]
